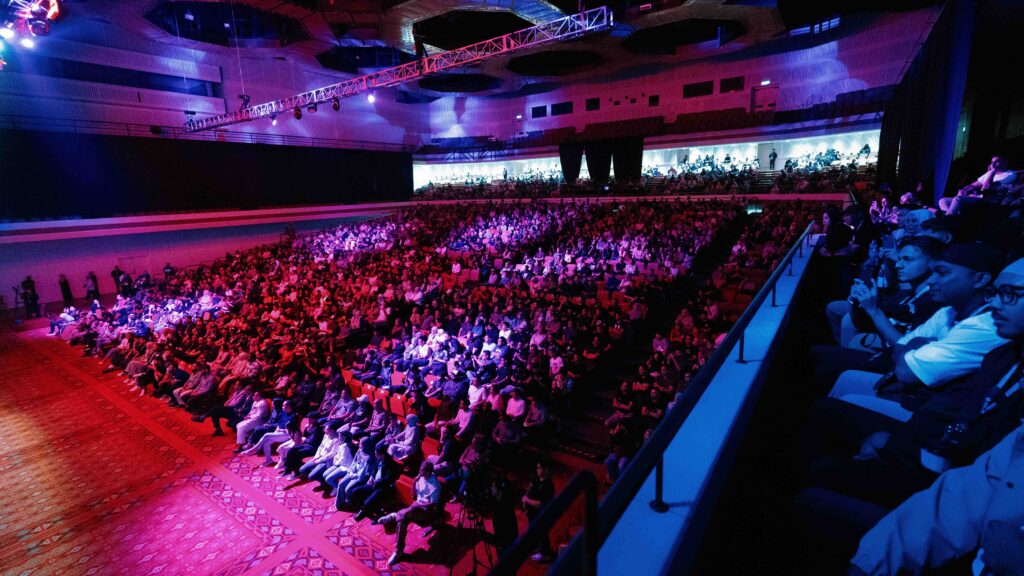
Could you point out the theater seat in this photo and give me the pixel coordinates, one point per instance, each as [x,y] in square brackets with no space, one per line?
[397,404]
[403,490]
[430,446]
[369,390]
[356,387]
[397,378]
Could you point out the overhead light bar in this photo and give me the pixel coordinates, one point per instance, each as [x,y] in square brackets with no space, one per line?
[29,18]
[565,28]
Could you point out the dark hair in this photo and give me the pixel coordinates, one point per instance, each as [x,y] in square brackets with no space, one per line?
[946,224]
[930,246]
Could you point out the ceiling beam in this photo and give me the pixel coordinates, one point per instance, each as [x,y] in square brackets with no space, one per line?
[564,28]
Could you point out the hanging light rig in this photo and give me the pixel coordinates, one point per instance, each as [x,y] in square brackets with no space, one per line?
[29,19]
[572,26]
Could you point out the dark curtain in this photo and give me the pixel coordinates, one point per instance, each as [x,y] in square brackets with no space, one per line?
[571,155]
[920,122]
[115,175]
[599,160]
[628,156]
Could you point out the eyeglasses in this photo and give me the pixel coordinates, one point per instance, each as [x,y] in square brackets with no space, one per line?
[1008,295]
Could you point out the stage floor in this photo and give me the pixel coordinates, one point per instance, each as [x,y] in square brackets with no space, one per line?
[97,480]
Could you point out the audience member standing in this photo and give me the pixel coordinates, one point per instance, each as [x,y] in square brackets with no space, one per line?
[65,291]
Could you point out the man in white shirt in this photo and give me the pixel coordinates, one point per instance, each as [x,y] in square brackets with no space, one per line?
[425,509]
[950,344]
[516,406]
[477,391]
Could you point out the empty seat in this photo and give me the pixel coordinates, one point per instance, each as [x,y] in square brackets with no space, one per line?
[397,404]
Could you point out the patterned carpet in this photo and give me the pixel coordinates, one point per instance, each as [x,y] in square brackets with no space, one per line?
[97,480]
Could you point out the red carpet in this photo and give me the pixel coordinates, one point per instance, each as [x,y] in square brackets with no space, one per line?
[97,480]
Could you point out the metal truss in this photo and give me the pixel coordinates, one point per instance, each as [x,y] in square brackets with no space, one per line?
[561,29]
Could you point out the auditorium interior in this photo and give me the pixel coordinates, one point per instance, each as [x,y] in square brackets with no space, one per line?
[425,287]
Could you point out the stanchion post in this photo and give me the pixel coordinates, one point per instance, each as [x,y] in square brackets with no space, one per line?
[658,504]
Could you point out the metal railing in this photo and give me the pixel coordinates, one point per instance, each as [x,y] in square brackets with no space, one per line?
[583,483]
[581,554]
[46,124]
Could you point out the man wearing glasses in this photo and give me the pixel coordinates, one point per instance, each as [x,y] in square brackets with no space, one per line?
[951,429]
[977,509]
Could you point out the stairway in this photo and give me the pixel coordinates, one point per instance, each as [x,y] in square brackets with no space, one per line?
[763,181]
[582,432]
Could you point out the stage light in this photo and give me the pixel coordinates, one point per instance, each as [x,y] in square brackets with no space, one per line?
[28,43]
[39,27]
[335,104]
[312,108]
[297,113]
[7,33]
[765,82]
[273,119]
[371,98]
[189,16]
[519,116]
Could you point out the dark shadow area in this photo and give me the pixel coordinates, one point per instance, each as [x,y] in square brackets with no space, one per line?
[58,175]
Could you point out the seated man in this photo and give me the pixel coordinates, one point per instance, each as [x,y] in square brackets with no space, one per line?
[425,510]
[949,345]
[379,486]
[998,175]
[975,510]
[873,457]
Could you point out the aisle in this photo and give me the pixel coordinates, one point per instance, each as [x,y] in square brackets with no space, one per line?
[100,481]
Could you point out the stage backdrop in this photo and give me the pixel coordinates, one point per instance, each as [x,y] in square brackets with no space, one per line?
[47,175]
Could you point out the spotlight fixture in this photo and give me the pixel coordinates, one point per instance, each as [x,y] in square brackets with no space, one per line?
[39,26]
[335,105]
[6,33]
[273,119]
[312,108]
[245,98]
[371,98]
[189,16]
[297,113]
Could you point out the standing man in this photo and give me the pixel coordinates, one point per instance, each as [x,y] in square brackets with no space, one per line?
[30,297]
[65,291]
[115,275]
[771,159]
[92,291]
[539,493]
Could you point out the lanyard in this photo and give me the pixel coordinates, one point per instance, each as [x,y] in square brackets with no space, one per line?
[1001,388]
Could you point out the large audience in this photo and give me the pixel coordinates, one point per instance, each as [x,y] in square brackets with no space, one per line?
[824,173]
[432,346]
[433,343]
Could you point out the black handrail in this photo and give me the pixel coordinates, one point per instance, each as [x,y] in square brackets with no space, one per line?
[582,482]
[582,552]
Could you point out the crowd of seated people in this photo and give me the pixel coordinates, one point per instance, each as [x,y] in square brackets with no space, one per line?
[451,336]
[915,438]
[642,401]
[825,180]
[706,176]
